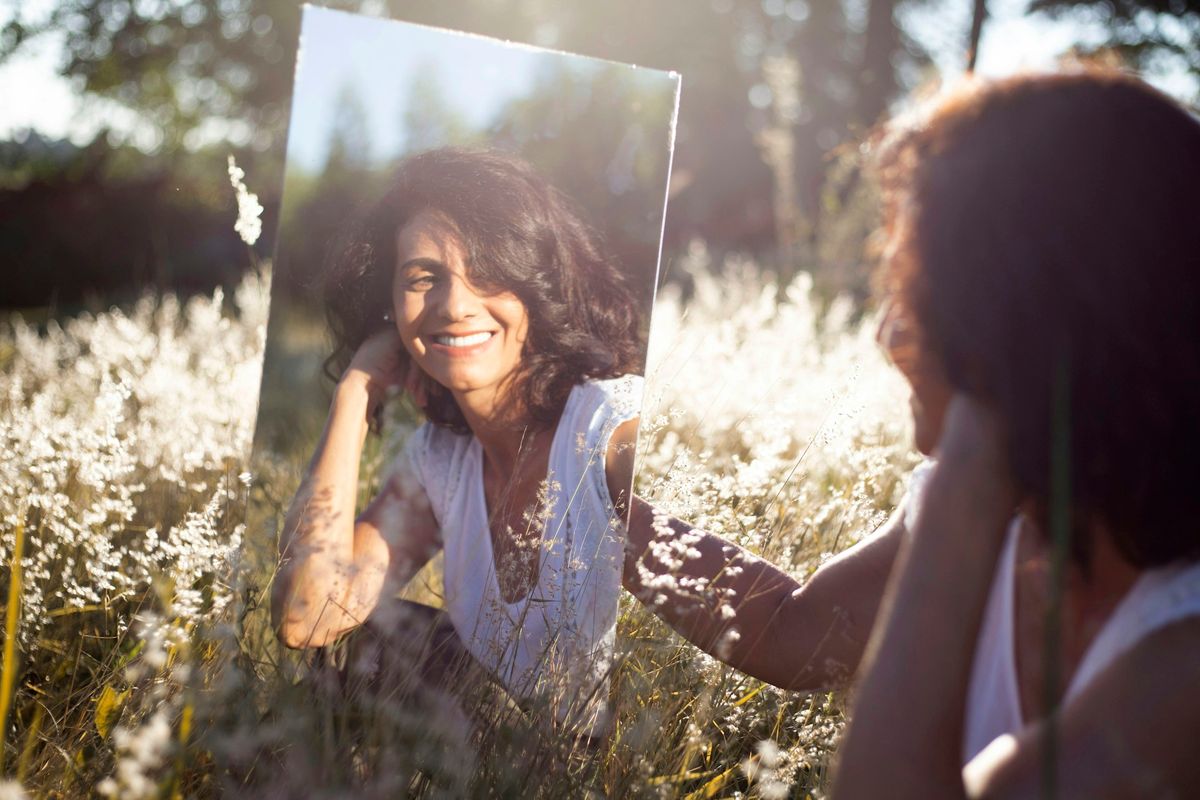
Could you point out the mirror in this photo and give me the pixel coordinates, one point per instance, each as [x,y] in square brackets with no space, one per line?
[466,262]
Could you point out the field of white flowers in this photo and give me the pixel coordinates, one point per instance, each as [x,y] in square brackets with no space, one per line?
[124,434]
[137,661]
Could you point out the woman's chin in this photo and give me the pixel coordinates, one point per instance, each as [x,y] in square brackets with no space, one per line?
[463,383]
[924,434]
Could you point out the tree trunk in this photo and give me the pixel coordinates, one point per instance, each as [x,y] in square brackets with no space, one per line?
[978,15]
[877,74]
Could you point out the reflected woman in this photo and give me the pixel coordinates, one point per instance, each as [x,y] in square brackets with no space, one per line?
[476,287]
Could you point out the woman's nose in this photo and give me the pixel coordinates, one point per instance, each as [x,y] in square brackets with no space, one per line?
[458,301]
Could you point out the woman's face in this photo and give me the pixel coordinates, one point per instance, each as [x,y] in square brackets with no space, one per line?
[930,392]
[466,339]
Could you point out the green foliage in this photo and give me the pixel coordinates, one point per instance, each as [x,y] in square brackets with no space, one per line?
[1157,36]
[179,64]
[604,137]
[428,120]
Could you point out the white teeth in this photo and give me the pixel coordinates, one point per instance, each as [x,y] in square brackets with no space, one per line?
[463,341]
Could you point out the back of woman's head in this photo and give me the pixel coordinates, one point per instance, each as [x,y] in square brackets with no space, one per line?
[1047,228]
[519,234]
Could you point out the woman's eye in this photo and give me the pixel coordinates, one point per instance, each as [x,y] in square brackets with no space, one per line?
[420,283]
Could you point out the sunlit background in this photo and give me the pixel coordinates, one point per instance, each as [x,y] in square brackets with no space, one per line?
[121,112]
[133,666]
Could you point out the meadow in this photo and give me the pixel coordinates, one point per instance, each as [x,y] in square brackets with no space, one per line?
[138,661]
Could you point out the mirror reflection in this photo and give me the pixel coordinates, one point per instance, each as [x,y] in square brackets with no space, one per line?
[482,300]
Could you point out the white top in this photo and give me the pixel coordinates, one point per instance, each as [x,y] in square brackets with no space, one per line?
[1160,597]
[557,641]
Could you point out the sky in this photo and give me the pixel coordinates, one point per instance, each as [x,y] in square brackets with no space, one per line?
[34,96]
[475,76]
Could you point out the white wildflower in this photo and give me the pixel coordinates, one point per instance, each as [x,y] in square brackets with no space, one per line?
[763,770]
[768,753]
[11,790]
[140,752]
[724,647]
[249,222]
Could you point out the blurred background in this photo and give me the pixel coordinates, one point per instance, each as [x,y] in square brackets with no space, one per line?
[118,115]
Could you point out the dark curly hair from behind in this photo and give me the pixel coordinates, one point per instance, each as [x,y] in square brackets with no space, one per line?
[1052,222]
[520,234]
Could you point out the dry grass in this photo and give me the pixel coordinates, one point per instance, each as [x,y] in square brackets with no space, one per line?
[143,672]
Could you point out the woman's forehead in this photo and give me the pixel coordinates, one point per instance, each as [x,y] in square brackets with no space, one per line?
[429,233]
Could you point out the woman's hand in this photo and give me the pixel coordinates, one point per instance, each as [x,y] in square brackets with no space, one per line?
[973,459]
[381,364]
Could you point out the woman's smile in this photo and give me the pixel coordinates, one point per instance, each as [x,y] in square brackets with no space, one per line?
[463,341]
[461,345]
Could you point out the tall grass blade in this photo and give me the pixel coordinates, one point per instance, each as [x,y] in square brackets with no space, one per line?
[1060,535]
[31,740]
[12,617]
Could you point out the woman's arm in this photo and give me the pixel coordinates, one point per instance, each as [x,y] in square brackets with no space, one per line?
[742,609]
[334,568]
[906,730]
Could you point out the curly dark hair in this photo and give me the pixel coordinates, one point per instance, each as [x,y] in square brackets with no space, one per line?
[1051,222]
[520,234]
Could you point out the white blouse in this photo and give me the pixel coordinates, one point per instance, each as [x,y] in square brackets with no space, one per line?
[557,642]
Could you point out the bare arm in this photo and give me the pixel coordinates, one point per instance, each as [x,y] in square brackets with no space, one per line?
[334,568]
[746,611]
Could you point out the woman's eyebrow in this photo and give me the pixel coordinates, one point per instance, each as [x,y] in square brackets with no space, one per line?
[422,262]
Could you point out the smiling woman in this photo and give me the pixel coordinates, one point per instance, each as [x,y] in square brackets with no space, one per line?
[476,287]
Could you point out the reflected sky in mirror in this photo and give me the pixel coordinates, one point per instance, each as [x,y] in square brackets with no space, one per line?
[438,75]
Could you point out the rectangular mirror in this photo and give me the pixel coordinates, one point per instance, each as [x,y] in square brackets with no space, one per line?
[466,262]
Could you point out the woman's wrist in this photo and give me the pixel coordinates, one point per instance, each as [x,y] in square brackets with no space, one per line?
[356,386]
[355,396]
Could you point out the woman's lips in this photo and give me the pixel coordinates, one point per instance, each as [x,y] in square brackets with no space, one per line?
[460,345]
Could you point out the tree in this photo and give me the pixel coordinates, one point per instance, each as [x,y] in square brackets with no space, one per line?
[1155,35]
[428,119]
[349,140]
[180,65]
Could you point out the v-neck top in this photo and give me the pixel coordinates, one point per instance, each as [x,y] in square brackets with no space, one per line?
[557,641]
[1159,597]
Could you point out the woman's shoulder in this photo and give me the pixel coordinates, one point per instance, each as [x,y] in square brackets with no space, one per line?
[619,398]
[1161,597]
[591,427]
